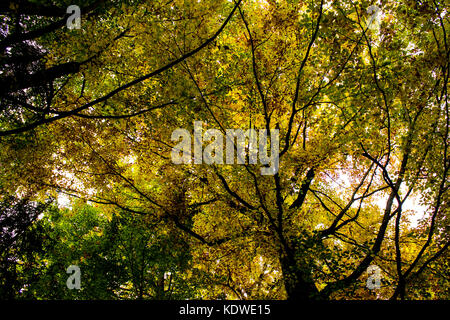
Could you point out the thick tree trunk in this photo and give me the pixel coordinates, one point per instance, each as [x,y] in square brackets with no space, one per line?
[298,283]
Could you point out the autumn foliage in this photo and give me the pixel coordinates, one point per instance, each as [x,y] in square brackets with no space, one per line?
[86,176]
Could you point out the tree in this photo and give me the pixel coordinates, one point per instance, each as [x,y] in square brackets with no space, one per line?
[362,111]
[33,78]
[21,239]
[121,257]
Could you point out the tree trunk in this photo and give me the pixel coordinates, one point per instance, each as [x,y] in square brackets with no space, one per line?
[298,283]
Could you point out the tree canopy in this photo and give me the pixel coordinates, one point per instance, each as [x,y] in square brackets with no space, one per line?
[357,90]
